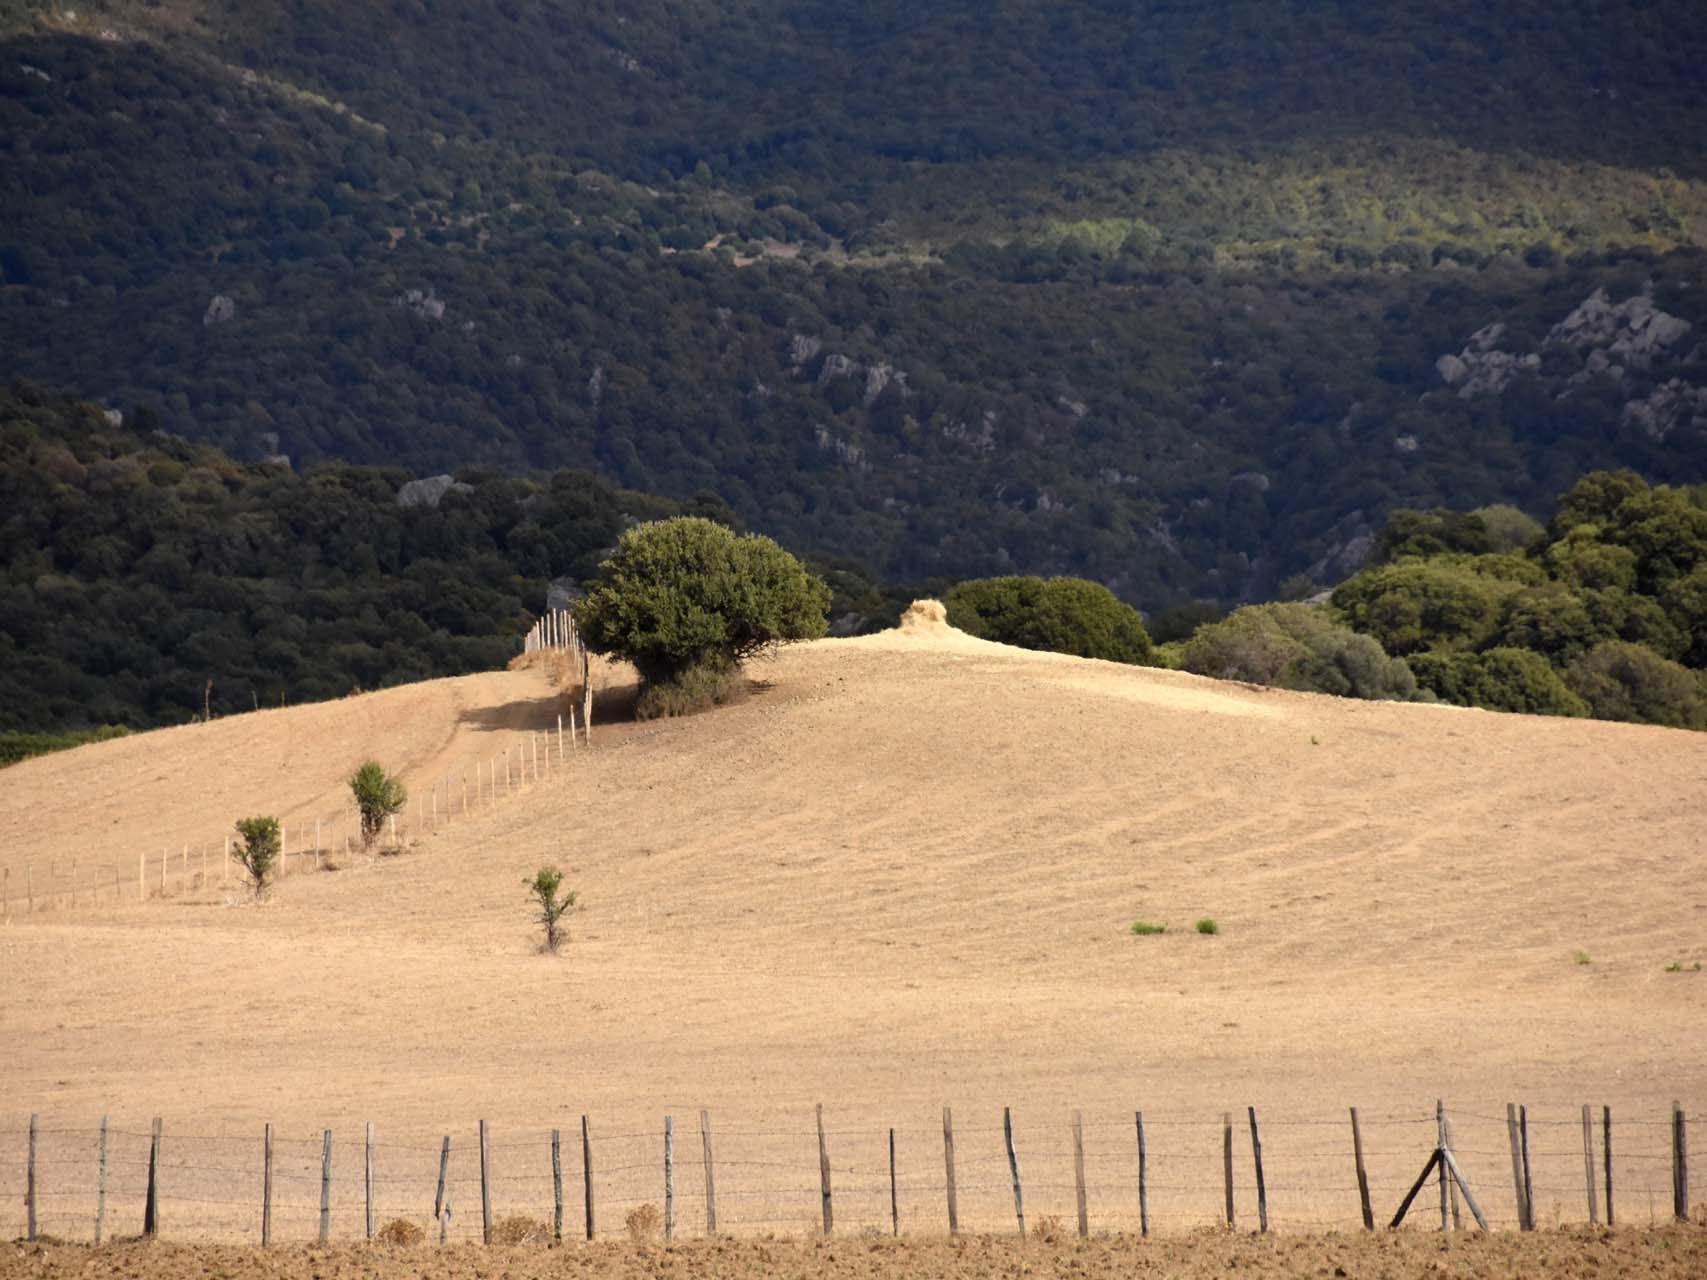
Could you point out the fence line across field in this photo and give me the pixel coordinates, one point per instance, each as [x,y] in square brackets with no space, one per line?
[1105,1172]
[310,839]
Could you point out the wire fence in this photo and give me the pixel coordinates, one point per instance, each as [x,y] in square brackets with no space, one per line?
[780,1178]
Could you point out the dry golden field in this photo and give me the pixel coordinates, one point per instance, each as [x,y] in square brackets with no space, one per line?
[901,875]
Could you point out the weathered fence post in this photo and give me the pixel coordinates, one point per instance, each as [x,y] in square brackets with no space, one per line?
[710,1177]
[1227,1160]
[1679,1163]
[325,1186]
[948,1164]
[30,1193]
[894,1199]
[1262,1186]
[266,1186]
[587,1172]
[556,1187]
[1081,1198]
[1606,1156]
[151,1205]
[1143,1179]
[485,1186]
[1588,1165]
[367,1163]
[669,1165]
[1523,1222]
[1528,1183]
[1013,1167]
[1362,1174]
[444,1169]
[824,1174]
[101,1185]
[1445,1174]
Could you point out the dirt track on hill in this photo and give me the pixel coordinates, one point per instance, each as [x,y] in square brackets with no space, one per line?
[900,875]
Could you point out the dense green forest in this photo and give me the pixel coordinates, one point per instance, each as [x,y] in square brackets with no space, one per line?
[1148,293]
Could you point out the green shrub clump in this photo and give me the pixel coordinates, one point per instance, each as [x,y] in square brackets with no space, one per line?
[259,842]
[1296,646]
[1062,615]
[1144,929]
[687,602]
[378,795]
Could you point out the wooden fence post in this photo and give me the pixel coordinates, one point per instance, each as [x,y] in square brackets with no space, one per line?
[267,1186]
[1143,1179]
[30,1193]
[1588,1165]
[151,1204]
[556,1187]
[101,1186]
[1523,1223]
[1528,1183]
[367,1173]
[485,1186]
[669,1163]
[948,1164]
[444,1169]
[710,1178]
[1262,1186]
[1606,1156]
[1679,1163]
[1013,1167]
[1081,1198]
[1445,1175]
[824,1174]
[1227,1160]
[587,1172]
[894,1199]
[325,1186]
[1362,1174]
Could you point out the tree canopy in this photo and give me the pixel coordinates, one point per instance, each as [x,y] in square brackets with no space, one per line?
[1066,615]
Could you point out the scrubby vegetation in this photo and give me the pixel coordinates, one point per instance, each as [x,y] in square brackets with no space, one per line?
[552,905]
[15,746]
[1296,646]
[259,842]
[687,601]
[377,796]
[1065,615]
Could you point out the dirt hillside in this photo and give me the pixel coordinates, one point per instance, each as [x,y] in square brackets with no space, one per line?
[902,874]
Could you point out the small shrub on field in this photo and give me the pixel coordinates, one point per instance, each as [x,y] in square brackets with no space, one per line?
[518,1228]
[1677,966]
[644,1223]
[378,795]
[1144,929]
[699,688]
[1208,926]
[552,906]
[258,845]
[400,1231]
[1581,957]
[1048,1228]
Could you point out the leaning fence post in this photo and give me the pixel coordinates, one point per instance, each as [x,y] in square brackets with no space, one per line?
[151,1205]
[444,1169]
[1013,1166]
[1528,1183]
[325,1186]
[1362,1174]
[266,1186]
[710,1178]
[1143,1180]
[948,1165]
[1081,1200]
[894,1199]
[30,1180]
[485,1186]
[669,1167]
[1262,1186]
[824,1174]
[101,1185]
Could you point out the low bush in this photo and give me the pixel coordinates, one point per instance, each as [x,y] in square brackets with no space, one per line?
[400,1231]
[1060,615]
[1208,926]
[1296,646]
[1144,929]
[697,689]
[644,1222]
[1621,681]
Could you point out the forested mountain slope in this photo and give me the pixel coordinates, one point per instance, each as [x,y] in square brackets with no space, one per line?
[1148,292]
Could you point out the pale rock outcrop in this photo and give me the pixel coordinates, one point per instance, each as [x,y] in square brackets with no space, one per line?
[1670,406]
[220,309]
[430,491]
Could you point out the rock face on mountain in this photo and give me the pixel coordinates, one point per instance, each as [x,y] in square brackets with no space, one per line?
[1624,343]
[430,491]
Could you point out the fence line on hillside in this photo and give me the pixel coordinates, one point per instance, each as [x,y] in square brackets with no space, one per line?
[315,840]
[1130,1171]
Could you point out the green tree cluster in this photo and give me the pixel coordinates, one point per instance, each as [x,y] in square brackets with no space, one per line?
[1296,646]
[1065,615]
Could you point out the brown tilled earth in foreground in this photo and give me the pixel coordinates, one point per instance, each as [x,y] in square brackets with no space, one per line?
[901,874]
[1548,1255]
